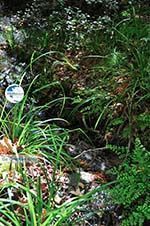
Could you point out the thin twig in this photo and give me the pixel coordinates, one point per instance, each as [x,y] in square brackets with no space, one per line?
[94,56]
[91,150]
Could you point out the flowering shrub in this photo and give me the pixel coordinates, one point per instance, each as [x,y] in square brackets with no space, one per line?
[73,27]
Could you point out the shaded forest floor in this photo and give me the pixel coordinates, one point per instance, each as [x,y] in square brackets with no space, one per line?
[75,150]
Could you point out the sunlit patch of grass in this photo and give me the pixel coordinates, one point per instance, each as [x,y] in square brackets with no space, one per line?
[34,210]
[39,142]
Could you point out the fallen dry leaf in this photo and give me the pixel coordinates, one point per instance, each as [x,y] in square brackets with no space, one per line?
[89,177]
[57,199]
[6,146]
[76,192]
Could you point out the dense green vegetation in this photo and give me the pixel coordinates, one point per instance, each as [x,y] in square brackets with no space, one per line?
[86,76]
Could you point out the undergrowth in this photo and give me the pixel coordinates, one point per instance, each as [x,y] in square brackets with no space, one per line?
[93,71]
[131,190]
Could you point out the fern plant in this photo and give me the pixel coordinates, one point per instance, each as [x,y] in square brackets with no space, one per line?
[132,187]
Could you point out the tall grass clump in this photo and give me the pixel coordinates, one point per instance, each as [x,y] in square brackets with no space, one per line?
[33,157]
[32,153]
